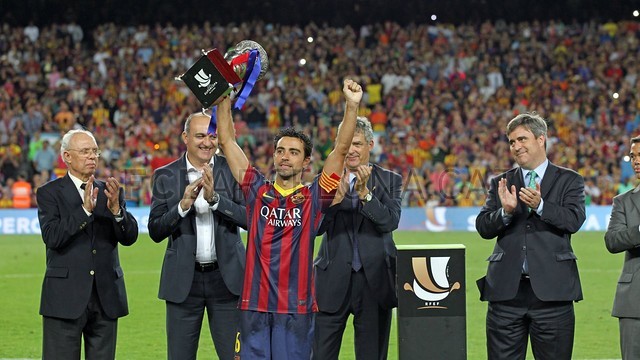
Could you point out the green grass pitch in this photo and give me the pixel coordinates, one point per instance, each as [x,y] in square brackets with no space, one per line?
[141,335]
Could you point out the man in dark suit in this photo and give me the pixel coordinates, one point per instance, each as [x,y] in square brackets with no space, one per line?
[623,234]
[82,221]
[532,278]
[197,204]
[355,267]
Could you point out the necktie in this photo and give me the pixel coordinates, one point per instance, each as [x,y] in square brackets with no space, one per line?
[83,186]
[532,184]
[353,193]
[532,179]
[356,263]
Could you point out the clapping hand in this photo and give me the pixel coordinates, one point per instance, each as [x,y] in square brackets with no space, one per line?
[90,195]
[112,191]
[190,195]
[207,182]
[508,196]
[343,188]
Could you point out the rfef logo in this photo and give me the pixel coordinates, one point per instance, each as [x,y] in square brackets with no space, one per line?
[431,281]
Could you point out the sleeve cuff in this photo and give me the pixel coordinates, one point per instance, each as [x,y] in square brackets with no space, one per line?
[120,216]
[182,213]
[506,219]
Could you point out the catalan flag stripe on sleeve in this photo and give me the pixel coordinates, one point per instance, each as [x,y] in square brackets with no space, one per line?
[329,183]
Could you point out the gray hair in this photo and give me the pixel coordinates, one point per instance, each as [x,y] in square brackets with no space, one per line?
[66,139]
[187,123]
[531,121]
[363,125]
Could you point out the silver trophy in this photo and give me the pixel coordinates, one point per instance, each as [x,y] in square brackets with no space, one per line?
[213,76]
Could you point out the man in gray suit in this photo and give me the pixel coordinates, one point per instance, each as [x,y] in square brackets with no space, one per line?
[83,220]
[532,279]
[355,267]
[197,204]
[623,234]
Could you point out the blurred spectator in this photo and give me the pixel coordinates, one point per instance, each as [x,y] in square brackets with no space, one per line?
[434,93]
[45,158]
[145,194]
[5,195]
[64,118]
[21,192]
[10,156]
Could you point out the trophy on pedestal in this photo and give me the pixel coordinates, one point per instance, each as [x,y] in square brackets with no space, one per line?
[213,76]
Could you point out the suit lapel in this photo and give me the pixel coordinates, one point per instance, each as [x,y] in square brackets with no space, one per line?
[70,193]
[74,200]
[347,217]
[101,201]
[548,180]
[516,178]
[182,178]
[634,198]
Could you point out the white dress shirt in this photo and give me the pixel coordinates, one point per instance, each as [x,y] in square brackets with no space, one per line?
[205,236]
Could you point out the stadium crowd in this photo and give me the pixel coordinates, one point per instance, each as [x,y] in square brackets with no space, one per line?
[439,97]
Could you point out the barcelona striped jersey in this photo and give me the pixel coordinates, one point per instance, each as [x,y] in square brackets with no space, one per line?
[282,228]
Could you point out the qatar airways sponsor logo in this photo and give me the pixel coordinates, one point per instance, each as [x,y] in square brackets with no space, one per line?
[281,217]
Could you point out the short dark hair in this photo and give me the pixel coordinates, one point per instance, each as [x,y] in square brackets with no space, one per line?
[291,132]
[635,140]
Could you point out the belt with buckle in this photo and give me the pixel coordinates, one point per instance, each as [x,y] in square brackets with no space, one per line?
[206,267]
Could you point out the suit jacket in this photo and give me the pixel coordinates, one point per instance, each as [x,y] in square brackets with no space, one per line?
[82,249]
[169,183]
[545,239]
[623,235]
[374,222]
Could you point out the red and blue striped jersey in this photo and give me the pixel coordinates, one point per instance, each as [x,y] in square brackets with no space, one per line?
[281,232]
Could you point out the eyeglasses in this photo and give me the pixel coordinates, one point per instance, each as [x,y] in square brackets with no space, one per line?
[86,152]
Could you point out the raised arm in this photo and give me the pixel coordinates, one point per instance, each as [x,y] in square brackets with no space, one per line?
[335,161]
[236,158]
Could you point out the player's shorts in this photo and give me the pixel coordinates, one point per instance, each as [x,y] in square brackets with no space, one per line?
[274,336]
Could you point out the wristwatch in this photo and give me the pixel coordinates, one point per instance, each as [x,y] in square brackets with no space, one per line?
[214,199]
[367,197]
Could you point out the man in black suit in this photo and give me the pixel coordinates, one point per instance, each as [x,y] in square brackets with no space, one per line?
[623,235]
[355,267]
[532,279]
[82,221]
[197,204]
